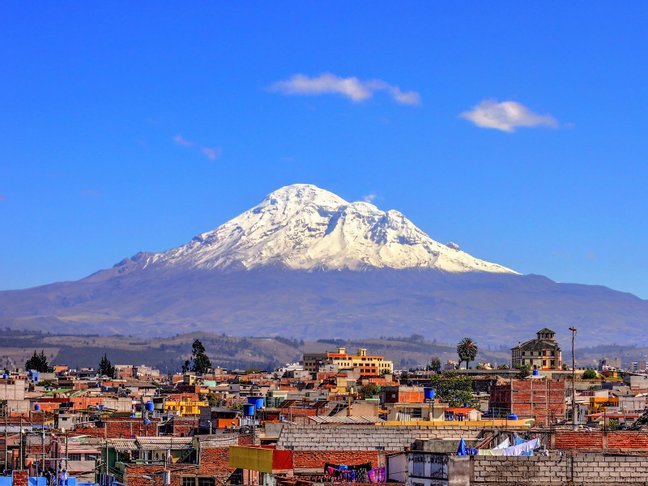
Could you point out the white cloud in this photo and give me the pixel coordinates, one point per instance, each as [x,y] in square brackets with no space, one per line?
[370,198]
[183,142]
[211,153]
[506,116]
[353,88]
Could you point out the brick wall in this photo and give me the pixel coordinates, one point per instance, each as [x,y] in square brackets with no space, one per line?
[543,400]
[579,440]
[593,440]
[121,429]
[627,440]
[214,462]
[316,459]
[580,469]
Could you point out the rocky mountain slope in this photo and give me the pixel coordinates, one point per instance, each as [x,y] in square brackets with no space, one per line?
[305,263]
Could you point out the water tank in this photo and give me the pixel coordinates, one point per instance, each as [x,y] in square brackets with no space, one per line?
[258,402]
[147,422]
[5,376]
[248,410]
[535,372]
[36,407]
[429,393]
[149,406]
[511,416]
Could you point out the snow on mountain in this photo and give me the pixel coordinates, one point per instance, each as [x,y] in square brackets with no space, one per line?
[304,227]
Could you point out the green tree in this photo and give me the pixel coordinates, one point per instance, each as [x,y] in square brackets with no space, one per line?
[214,399]
[369,390]
[524,371]
[253,370]
[435,364]
[199,362]
[589,375]
[38,362]
[106,368]
[453,389]
[467,351]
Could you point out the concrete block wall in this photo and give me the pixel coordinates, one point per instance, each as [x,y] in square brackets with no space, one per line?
[580,469]
[364,438]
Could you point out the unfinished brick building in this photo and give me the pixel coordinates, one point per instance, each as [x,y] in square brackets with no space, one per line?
[540,399]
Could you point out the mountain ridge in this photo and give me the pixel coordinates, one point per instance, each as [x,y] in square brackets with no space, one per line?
[228,281]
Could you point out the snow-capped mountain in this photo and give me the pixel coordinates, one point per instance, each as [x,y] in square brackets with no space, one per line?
[303,227]
[256,276]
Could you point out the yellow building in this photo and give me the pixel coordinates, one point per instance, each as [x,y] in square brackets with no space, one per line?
[184,408]
[601,404]
[340,360]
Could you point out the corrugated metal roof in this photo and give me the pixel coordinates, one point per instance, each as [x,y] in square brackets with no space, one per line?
[123,445]
[346,420]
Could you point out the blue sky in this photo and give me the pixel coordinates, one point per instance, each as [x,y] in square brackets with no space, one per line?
[517,129]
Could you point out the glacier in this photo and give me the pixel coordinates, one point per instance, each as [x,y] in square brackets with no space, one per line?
[304,227]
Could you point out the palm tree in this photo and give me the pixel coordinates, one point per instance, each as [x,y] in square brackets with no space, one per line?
[467,351]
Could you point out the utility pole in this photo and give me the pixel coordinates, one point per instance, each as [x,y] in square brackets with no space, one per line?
[6,435]
[66,450]
[21,445]
[6,417]
[573,349]
[43,447]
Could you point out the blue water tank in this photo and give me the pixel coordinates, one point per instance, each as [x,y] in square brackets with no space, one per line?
[149,406]
[258,402]
[511,416]
[5,376]
[147,422]
[36,407]
[429,393]
[248,410]
[536,372]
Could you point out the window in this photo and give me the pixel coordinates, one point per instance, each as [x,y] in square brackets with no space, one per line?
[206,482]
[74,457]
[418,466]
